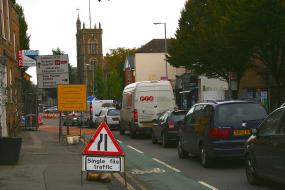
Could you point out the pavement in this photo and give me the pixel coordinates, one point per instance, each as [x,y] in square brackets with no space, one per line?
[46,164]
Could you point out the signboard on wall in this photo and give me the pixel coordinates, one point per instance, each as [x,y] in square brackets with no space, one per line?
[28,58]
[52,70]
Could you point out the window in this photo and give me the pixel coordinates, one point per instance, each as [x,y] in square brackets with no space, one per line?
[92,46]
[271,123]
[162,117]
[2,19]
[14,44]
[113,112]
[238,112]
[281,129]
[8,20]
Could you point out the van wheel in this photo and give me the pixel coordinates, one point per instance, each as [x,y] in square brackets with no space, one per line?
[205,159]
[251,174]
[153,139]
[181,152]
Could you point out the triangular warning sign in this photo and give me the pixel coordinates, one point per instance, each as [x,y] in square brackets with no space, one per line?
[103,143]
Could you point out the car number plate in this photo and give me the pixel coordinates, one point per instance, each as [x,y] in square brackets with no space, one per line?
[241,132]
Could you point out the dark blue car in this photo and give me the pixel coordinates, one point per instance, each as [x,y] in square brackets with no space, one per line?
[218,129]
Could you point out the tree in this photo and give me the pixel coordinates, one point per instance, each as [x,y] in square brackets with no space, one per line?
[207,40]
[114,76]
[263,25]
[23,26]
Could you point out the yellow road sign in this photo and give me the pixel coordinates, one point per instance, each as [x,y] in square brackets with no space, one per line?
[71,97]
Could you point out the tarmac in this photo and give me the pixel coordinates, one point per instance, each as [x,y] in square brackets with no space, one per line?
[46,164]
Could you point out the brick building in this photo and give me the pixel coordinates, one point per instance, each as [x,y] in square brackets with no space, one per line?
[89,53]
[11,73]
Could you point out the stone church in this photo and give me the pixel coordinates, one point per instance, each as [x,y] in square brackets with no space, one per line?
[89,54]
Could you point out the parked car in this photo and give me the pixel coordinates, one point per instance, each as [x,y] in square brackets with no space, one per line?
[95,106]
[165,128]
[218,129]
[110,115]
[71,119]
[265,149]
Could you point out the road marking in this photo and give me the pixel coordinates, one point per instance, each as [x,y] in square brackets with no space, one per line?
[122,181]
[135,149]
[120,141]
[163,163]
[207,185]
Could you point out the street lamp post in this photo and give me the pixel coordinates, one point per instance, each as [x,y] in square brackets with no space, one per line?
[93,68]
[165,46]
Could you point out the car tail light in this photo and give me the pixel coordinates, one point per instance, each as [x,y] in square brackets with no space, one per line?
[219,133]
[136,115]
[170,124]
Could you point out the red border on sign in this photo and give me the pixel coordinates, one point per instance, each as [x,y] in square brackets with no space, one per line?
[86,150]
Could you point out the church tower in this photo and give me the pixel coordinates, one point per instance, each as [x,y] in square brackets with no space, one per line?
[89,53]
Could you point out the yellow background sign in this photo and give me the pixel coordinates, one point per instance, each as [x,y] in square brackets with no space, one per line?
[71,97]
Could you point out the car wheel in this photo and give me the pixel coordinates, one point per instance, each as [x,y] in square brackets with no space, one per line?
[165,142]
[181,152]
[250,171]
[153,139]
[205,159]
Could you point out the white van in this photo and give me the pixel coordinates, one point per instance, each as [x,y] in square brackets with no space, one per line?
[142,102]
[96,106]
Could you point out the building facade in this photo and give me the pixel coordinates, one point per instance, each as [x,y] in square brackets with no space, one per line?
[129,70]
[150,63]
[11,73]
[89,54]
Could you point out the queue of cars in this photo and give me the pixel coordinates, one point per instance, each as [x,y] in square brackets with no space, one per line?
[228,129]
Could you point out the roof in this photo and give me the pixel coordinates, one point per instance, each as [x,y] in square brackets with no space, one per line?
[154,46]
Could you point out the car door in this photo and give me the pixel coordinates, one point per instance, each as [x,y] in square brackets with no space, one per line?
[278,151]
[195,129]
[264,143]
[185,130]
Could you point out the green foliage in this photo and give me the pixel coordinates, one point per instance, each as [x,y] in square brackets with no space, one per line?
[114,78]
[206,40]
[100,91]
[23,26]
[57,51]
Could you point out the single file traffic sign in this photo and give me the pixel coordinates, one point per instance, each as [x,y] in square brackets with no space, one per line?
[103,153]
[103,143]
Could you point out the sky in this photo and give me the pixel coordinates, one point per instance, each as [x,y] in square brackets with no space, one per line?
[125,23]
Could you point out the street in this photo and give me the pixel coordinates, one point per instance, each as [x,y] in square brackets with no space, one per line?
[150,166]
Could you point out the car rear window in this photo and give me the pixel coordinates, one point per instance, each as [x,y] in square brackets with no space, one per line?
[239,112]
[113,112]
[178,116]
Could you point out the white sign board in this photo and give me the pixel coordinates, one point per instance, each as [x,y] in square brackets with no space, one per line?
[28,58]
[52,80]
[102,164]
[52,70]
